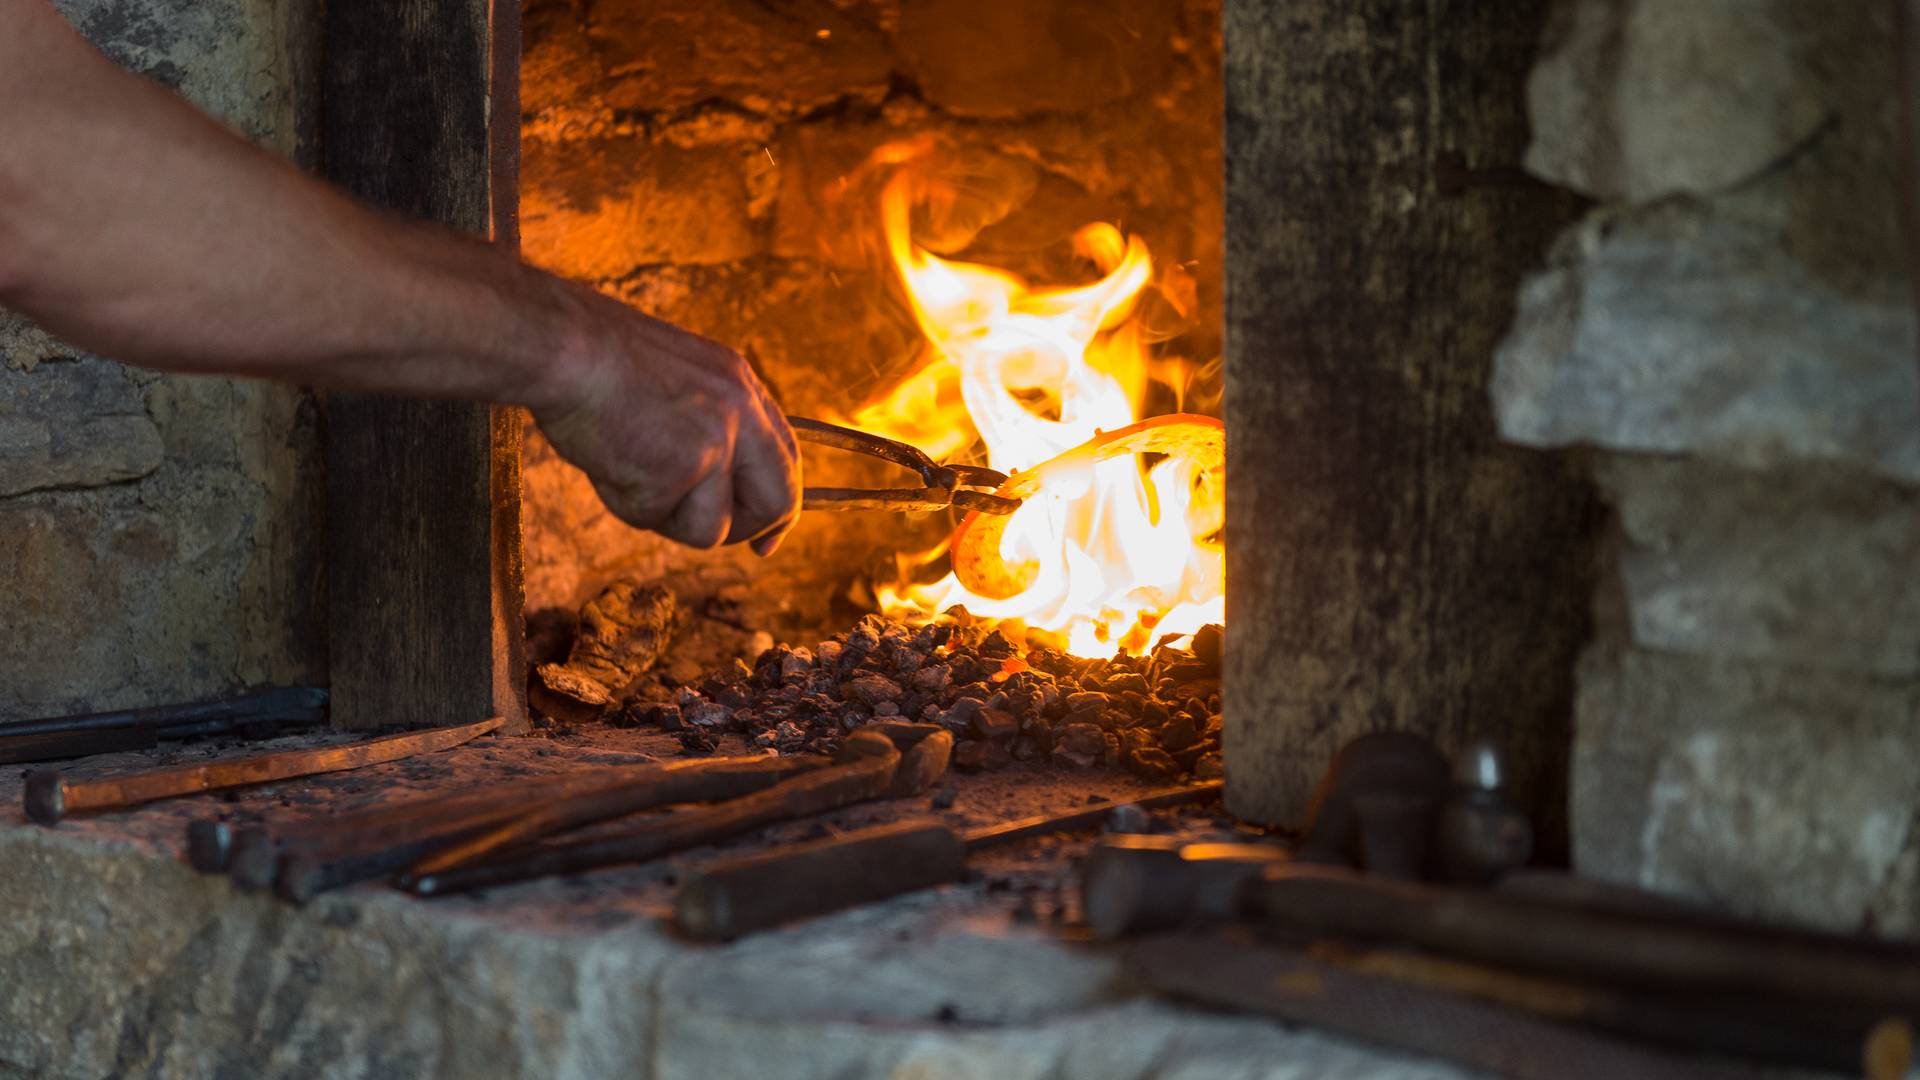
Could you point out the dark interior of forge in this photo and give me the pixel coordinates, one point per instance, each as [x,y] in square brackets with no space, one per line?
[722,167]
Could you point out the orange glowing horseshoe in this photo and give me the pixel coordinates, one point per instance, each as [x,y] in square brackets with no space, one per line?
[977,560]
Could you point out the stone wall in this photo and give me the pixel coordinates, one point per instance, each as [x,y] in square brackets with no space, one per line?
[1732,327]
[700,160]
[156,531]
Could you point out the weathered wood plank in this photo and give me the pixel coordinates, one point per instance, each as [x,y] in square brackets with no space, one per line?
[420,115]
[1391,565]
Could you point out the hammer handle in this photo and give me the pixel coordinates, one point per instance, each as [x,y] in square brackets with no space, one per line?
[761,891]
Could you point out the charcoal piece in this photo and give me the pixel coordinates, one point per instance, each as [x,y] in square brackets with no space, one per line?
[970,756]
[1152,762]
[944,798]
[1207,646]
[959,719]
[622,633]
[1085,700]
[1080,745]
[697,741]
[564,694]
[991,723]
[1211,765]
[1179,732]
[979,756]
[871,690]
[932,678]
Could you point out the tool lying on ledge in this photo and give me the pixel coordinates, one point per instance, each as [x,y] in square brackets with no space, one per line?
[260,714]
[1233,973]
[330,857]
[50,796]
[968,487]
[863,769]
[755,892]
[250,853]
[1488,946]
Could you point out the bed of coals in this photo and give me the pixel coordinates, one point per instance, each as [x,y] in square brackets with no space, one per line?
[1158,715]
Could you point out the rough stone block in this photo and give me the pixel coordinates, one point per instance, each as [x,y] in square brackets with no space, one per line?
[1633,99]
[185,586]
[1693,327]
[77,424]
[1802,566]
[558,65]
[664,55]
[24,346]
[1010,58]
[1775,791]
[599,208]
[245,61]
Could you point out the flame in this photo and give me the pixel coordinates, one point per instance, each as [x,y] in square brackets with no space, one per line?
[1125,555]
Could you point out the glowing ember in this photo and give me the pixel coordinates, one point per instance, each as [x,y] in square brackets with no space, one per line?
[1107,553]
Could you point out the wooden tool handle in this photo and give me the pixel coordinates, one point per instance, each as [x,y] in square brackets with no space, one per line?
[1293,986]
[742,895]
[1670,952]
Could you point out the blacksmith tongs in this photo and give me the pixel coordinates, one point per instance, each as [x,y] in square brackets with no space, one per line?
[968,487]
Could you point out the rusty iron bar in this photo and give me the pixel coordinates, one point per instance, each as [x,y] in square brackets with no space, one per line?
[49,796]
[862,770]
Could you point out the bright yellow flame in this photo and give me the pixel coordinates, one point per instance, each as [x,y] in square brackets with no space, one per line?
[1124,556]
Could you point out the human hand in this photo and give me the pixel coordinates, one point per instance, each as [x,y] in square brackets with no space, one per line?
[676,432]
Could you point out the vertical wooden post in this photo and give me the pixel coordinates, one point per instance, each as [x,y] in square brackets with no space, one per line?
[420,114]
[1391,565]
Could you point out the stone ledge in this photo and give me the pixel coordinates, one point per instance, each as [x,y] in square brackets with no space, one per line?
[118,960]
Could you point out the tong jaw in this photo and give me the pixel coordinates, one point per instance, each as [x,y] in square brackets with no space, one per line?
[969,487]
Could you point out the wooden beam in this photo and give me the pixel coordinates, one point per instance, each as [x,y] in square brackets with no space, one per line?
[420,115]
[1391,564]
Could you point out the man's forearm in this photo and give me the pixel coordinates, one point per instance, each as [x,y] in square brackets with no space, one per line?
[133,226]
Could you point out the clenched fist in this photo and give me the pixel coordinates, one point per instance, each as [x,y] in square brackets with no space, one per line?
[676,432]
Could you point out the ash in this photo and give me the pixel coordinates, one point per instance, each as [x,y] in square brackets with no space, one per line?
[1156,715]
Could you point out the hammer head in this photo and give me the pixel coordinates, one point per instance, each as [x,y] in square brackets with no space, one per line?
[46,796]
[1132,884]
[209,845]
[1378,806]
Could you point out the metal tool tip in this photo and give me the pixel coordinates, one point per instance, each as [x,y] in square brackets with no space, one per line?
[1480,767]
[46,796]
[209,845]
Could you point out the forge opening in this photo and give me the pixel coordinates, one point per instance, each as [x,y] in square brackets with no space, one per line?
[991,233]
